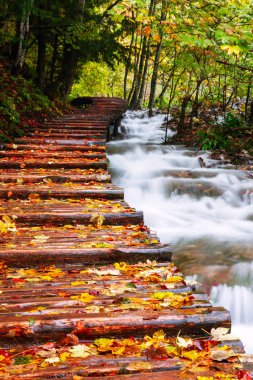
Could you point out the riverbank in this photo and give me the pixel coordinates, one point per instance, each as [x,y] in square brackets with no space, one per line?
[220,139]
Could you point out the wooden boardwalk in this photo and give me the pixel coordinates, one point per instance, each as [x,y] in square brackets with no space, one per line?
[87,290]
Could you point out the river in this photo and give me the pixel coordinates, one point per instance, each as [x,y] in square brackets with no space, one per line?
[206,213]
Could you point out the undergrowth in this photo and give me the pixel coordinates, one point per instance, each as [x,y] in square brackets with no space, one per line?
[22,105]
[232,134]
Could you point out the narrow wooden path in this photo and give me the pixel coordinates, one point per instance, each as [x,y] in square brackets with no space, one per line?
[86,289]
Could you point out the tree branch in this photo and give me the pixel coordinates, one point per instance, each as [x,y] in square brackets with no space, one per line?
[234,65]
[110,7]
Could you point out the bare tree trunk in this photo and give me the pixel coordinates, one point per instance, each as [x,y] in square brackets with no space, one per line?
[184,105]
[195,108]
[250,121]
[41,61]
[54,57]
[136,62]
[156,65]
[128,63]
[24,28]
[247,99]
[144,76]
[154,79]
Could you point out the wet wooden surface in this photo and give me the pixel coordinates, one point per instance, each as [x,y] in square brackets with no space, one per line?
[64,231]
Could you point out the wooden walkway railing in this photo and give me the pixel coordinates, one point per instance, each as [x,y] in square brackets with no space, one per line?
[87,290]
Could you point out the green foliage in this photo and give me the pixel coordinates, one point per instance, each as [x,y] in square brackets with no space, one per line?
[22,105]
[225,135]
[98,79]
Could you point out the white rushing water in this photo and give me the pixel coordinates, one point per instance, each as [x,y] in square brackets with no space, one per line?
[207,214]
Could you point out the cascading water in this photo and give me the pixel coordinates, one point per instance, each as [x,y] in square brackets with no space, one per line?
[206,213]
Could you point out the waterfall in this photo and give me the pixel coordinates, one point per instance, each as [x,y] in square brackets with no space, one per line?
[206,213]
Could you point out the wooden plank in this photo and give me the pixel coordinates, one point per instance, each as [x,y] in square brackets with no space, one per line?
[53,182]
[88,256]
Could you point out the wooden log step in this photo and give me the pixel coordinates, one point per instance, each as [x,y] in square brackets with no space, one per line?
[38,242]
[70,129]
[119,370]
[89,119]
[43,154]
[47,302]
[75,124]
[32,214]
[84,256]
[155,355]
[53,141]
[70,205]
[133,277]
[77,136]
[119,324]
[54,175]
[68,133]
[69,163]
[86,313]
[60,190]
[55,148]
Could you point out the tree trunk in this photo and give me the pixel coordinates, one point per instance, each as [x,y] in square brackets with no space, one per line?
[195,108]
[154,79]
[247,99]
[181,122]
[54,58]
[128,63]
[136,62]
[250,121]
[41,61]
[69,66]
[23,34]
[156,65]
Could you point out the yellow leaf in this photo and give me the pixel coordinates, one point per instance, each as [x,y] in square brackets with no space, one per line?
[97,219]
[174,279]
[159,335]
[41,237]
[103,344]
[46,278]
[231,49]
[83,297]
[80,351]
[120,266]
[162,295]
[64,356]
[139,366]
[7,225]
[192,355]
[77,283]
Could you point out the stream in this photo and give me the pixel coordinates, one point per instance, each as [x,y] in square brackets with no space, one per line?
[205,213]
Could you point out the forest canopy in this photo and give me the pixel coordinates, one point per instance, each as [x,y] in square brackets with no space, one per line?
[191,55]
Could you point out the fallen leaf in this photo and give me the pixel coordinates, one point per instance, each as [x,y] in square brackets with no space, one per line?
[97,219]
[80,351]
[222,354]
[56,359]
[221,333]
[139,366]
